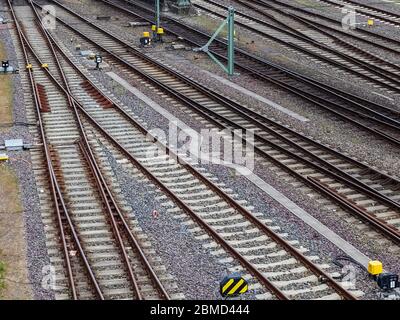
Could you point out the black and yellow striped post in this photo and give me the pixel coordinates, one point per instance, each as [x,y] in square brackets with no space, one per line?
[233,286]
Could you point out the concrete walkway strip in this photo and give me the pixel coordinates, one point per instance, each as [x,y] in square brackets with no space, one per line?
[257,97]
[323,230]
[154,105]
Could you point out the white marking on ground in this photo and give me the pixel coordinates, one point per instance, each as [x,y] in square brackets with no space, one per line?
[323,230]
[257,97]
[383,96]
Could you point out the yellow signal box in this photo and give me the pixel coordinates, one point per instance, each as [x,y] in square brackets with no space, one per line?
[375,267]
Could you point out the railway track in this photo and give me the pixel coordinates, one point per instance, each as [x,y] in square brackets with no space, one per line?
[366,192]
[317,41]
[103,257]
[363,35]
[374,118]
[276,268]
[367,10]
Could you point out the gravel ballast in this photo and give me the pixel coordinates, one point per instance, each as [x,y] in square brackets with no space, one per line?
[36,254]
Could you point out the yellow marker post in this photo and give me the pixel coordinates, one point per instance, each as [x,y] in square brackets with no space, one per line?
[160,31]
[146,34]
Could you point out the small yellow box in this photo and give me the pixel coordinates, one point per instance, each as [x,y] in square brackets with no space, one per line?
[3,157]
[29,66]
[160,31]
[146,34]
[370,22]
[375,267]
[153,27]
[45,65]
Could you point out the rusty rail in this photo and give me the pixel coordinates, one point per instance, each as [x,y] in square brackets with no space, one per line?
[102,186]
[310,265]
[60,206]
[324,166]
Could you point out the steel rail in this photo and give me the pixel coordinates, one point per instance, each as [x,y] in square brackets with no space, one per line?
[55,188]
[169,22]
[366,108]
[387,230]
[331,20]
[90,160]
[282,9]
[376,69]
[367,13]
[209,229]
[115,212]
[302,94]
[106,195]
[267,283]
[108,201]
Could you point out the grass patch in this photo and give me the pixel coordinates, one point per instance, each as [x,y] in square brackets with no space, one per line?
[2,277]
[9,193]
[12,254]
[6,93]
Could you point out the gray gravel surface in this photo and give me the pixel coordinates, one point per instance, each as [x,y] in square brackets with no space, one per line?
[197,271]
[37,256]
[335,13]
[342,131]
[263,203]
[324,127]
[273,51]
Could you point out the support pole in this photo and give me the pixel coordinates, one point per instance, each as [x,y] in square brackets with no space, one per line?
[230,23]
[157,11]
[231,41]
